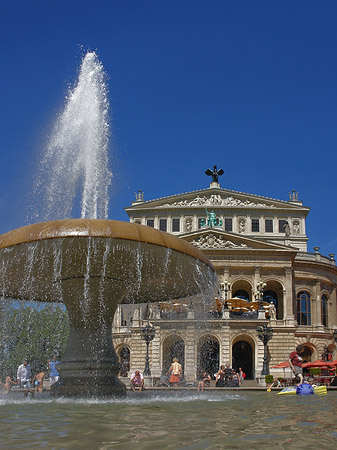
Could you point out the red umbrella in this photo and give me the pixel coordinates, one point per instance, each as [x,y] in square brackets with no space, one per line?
[282,365]
[319,363]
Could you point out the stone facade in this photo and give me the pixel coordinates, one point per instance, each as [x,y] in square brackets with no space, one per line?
[252,240]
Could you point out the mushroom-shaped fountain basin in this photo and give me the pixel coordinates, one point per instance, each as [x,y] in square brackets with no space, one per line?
[91,266]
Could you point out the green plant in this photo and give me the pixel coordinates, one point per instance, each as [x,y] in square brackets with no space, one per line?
[269,378]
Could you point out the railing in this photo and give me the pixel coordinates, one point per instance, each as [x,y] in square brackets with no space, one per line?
[213,315]
[315,257]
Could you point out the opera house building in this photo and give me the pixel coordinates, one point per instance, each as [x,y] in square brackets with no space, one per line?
[258,247]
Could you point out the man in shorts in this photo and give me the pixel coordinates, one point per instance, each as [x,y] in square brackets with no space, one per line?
[295,362]
[137,380]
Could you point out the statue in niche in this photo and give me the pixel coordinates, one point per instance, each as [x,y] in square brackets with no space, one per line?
[242,225]
[272,311]
[286,229]
[296,228]
[188,224]
[214,174]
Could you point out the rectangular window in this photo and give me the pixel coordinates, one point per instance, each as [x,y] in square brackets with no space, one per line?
[150,223]
[175,224]
[269,225]
[201,223]
[281,224]
[163,224]
[228,225]
[255,225]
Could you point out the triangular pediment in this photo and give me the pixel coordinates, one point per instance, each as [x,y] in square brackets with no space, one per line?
[215,198]
[213,238]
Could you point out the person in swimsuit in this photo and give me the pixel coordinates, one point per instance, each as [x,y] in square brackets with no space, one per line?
[220,377]
[175,372]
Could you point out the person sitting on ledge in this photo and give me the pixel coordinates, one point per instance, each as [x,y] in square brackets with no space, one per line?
[220,377]
[204,380]
[137,380]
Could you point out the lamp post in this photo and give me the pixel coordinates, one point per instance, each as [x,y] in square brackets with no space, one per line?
[147,334]
[225,287]
[264,333]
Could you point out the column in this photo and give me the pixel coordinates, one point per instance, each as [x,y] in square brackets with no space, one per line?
[332,310]
[257,276]
[156,363]
[318,319]
[288,297]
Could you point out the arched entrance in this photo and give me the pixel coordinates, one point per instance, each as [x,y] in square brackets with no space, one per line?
[208,355]
[242,356]
[173,347]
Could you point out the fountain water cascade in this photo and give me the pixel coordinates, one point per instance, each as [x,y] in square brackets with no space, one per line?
[76,157]
[92,264]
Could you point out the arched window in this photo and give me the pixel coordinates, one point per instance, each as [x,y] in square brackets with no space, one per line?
[324,310]
[242,294]
[303,308]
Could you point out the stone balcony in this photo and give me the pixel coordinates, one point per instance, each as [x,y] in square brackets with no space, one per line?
[316,257]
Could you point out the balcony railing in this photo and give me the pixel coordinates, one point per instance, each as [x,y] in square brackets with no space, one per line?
[315,257]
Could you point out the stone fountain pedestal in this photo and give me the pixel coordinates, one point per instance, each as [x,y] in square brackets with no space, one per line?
[91,266]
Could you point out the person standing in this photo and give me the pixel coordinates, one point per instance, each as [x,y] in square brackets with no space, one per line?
[295,361]
[38,380]
[8,383]
[242,376]
[53,374]
[24,374]
[176,372]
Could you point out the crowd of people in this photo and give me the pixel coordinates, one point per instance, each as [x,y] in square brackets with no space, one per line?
[25,379]
[225,377]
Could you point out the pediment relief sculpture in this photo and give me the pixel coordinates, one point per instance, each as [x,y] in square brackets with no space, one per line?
[213,241]
[218,200]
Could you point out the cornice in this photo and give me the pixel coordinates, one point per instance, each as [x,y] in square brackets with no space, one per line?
[216,198]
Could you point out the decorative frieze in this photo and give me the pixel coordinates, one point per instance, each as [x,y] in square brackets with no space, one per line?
[218,200]
[213,241]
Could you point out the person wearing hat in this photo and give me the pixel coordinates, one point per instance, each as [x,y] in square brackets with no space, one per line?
[24,374]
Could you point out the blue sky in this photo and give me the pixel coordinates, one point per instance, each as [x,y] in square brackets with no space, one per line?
[248,85]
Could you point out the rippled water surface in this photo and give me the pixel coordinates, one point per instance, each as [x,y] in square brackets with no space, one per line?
[212,420]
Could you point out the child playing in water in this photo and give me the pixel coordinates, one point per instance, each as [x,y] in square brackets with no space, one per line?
[38,380]
[7,385]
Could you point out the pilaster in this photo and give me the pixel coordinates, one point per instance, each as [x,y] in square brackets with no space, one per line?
[318,319]
[225,345]
[190,352]
[288,297]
